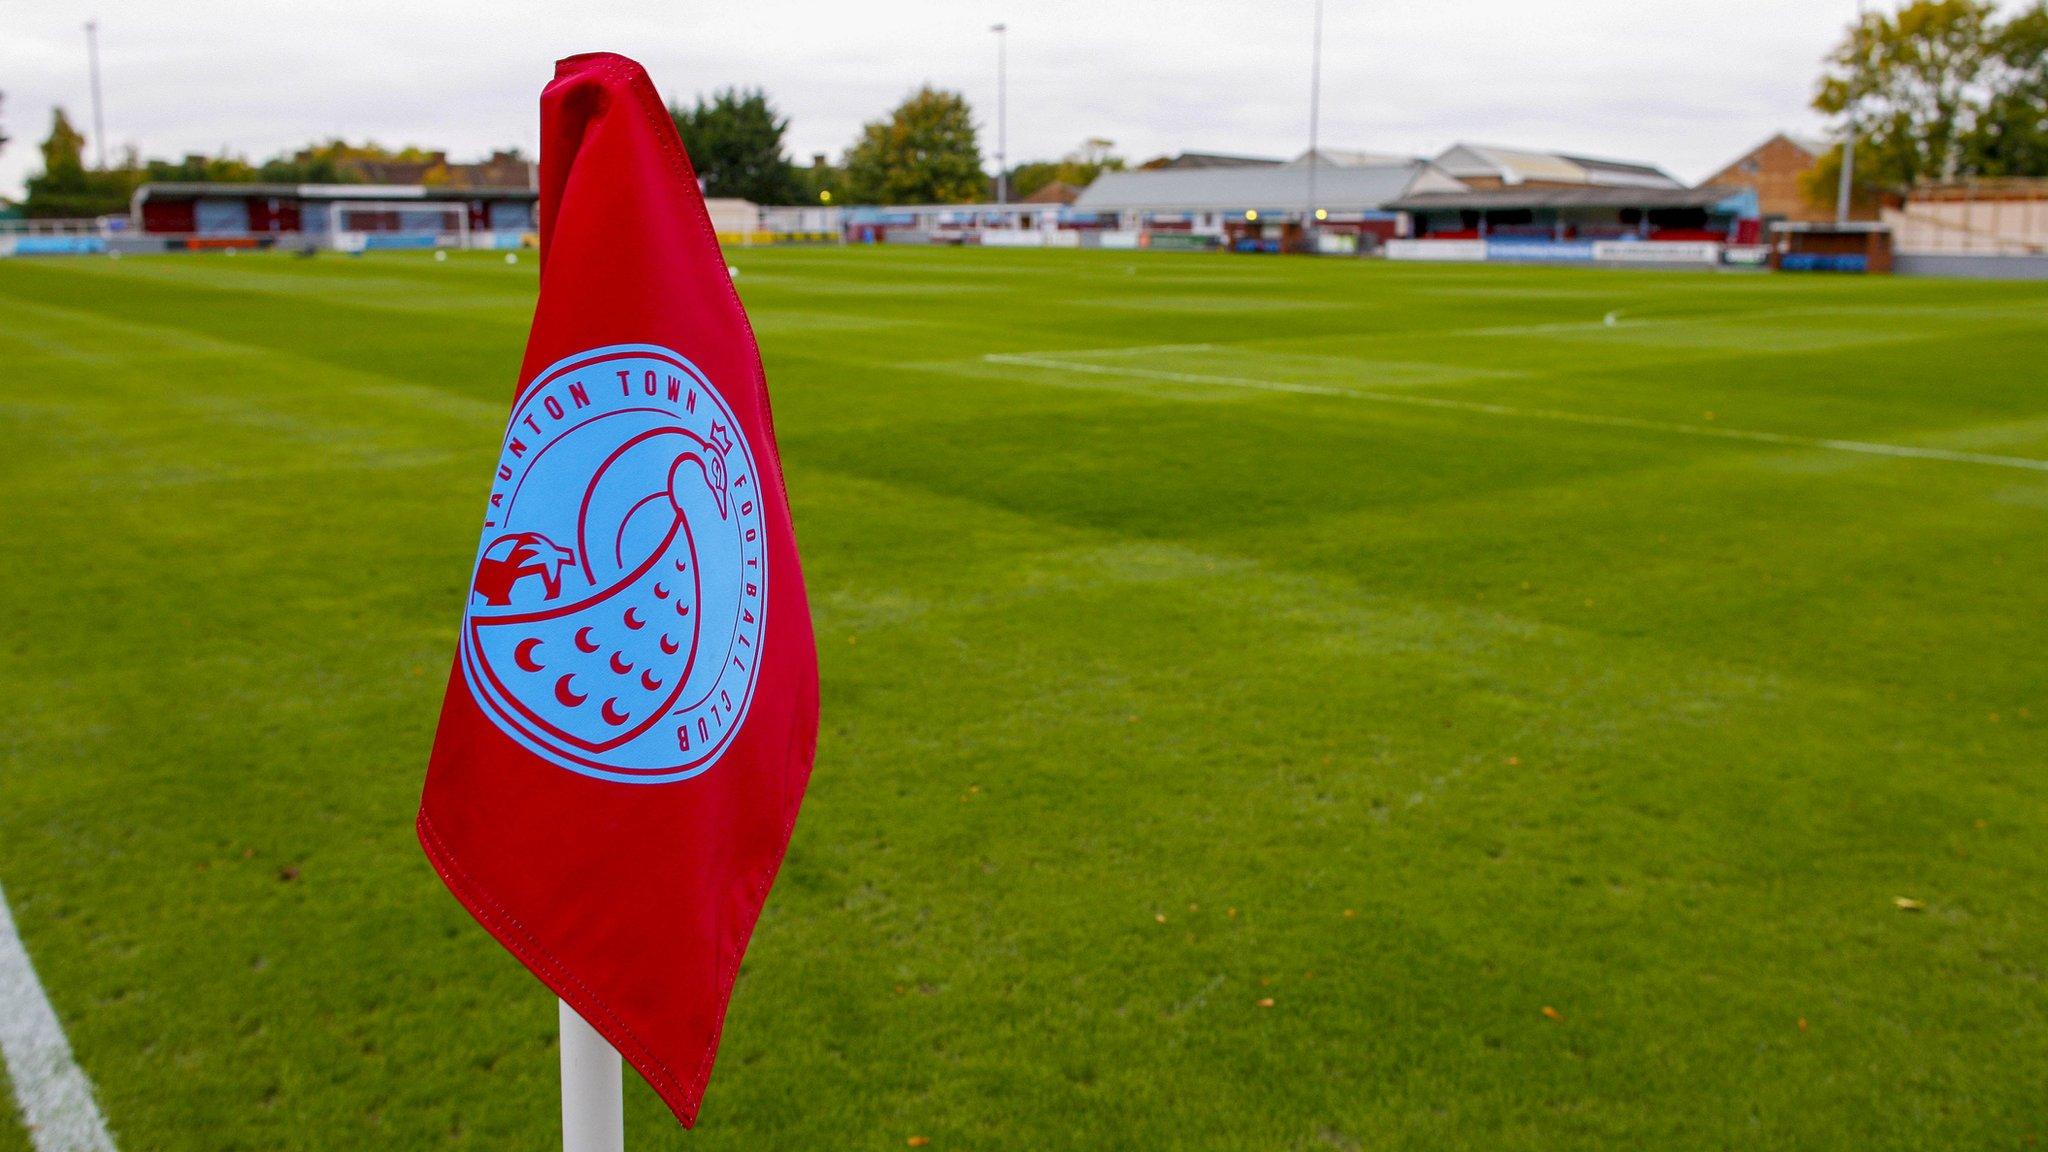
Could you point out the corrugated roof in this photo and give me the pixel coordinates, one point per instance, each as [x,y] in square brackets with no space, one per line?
[1209,160]
[189,188]
[333,191]
[1351,158]
[1520,165]
[1512,165]
[1623,171]
[1588,197]
[1278,188]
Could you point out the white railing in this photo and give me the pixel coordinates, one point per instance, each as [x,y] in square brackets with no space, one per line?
[82,226]
[75,241]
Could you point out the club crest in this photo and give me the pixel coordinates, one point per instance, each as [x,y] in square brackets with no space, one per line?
[615,612]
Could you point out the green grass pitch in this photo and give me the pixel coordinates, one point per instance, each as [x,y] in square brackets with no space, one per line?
[1268,704]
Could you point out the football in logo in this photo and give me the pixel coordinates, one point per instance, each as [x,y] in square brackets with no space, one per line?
[615,614]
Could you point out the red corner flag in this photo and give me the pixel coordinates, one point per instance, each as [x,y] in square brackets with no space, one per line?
[630,722]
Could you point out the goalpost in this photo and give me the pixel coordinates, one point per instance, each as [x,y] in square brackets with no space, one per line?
[345,217]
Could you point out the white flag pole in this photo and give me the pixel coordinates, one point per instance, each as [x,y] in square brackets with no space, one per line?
[593,1106]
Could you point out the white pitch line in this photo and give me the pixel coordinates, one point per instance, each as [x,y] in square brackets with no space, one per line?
[52,1092]
[1139,350]
[1125,350]
[1866,447]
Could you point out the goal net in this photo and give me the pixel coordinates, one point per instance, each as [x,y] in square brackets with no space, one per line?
[359,225]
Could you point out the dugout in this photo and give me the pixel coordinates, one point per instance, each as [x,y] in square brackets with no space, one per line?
[1849,246]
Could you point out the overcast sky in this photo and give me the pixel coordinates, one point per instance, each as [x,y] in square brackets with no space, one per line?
[1675,82]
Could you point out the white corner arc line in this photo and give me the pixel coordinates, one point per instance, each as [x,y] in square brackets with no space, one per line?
[50,1089]
[1866,447]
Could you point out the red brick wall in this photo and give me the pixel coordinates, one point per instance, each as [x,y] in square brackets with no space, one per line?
[1775,169]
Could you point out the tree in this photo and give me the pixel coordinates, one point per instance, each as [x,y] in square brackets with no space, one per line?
[1079,168]
[2011,135]
[64,154]
[65,188]
[821,183]
[735,141]
[3,131]
[340,162]
[924,153]
[1910,85]
[1032,175]
[315,164]
[1822,183]
[198,169]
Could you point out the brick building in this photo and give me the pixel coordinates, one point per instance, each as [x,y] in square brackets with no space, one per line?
[1775,171]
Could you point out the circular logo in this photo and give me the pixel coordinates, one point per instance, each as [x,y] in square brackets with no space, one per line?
[615,614]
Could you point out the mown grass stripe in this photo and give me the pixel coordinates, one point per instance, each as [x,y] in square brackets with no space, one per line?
[1866,447]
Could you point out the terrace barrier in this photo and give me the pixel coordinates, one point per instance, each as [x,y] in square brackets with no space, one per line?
[1518,250]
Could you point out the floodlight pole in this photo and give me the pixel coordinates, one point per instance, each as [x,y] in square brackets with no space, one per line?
[1315,107]
[1846,181]
[99,123]
[593,1100]
[1848,174]
[1002,113]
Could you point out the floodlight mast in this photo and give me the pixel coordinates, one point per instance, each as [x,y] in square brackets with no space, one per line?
[1315,103]
[1846,181]
[1002,113]
[99,122]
